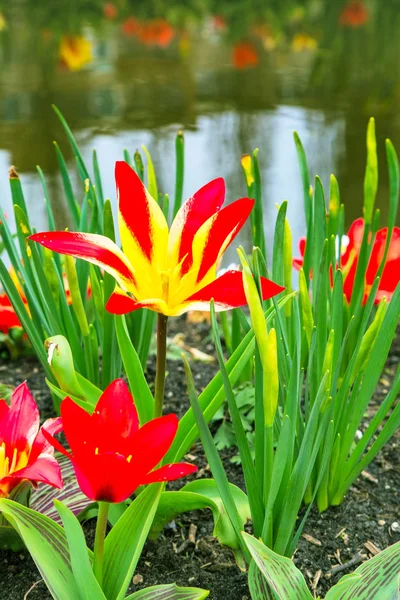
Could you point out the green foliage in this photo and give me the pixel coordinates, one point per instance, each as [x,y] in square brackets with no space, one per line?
[276,577]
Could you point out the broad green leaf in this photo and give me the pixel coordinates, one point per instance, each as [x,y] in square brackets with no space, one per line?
[47,543]
[125,542]
[42,499]
[377,578]
[89,587]
[199,494]
[169,592]
[258,585]
[280,572]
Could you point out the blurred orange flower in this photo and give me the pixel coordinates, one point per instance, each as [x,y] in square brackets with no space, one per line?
[354,14]
[130,26]
[75,52]
[245,55]
[156,33]
[110,11]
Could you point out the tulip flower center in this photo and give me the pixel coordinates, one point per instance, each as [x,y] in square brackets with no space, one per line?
[7,466]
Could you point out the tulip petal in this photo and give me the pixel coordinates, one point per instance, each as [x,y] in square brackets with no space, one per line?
[227,292]
[94,248]
[41,444]
[45,469]
[105,477]
[8,319]
[143,229]
[169,473]
[298,262]
[191,216]
[120,303]
[4,408]
[115,419]
[151,442]
[20,423]
[56,444]
[78,427]
[215,235]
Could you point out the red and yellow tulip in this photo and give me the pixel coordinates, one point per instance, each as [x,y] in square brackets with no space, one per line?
[166,270]
[112,456]
[391,273]
[24,451]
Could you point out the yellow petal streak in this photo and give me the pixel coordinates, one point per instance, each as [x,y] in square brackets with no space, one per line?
[147,272]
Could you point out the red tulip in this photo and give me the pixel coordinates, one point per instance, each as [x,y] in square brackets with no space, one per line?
[166,270]
[391,273]
[111,455]
[24,451]
[8,316]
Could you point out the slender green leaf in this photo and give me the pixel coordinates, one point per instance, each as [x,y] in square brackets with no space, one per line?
[89,588]
[124,543]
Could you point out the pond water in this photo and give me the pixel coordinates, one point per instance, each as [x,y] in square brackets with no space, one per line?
[233,74]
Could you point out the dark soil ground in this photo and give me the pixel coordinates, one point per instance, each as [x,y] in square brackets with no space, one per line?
[334,543]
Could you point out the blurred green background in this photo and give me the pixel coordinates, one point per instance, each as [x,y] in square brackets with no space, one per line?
[233,74]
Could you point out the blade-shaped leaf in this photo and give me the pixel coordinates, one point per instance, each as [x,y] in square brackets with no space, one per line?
[48,546]
[376,578]
[280,572]
[258,585]
[169,592]
[81,567]
[125,541]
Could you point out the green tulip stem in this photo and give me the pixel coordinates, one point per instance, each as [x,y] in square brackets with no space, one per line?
[100,535]
[161,364]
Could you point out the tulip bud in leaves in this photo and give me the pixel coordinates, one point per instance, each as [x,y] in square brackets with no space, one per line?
[62,364]
[247,165]
[328,359]
[266,342]
[287,263]
[271,379]
[255,305]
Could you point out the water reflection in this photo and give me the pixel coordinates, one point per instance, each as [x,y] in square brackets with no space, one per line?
[234,77]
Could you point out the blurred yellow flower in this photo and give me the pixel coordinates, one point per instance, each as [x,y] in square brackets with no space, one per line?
[3,22]
[303,41]
[75,52]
